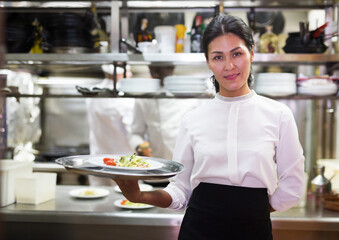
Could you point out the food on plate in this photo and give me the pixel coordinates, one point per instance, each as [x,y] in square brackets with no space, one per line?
[87,192]
[109,161]
[132,161]
[125,202]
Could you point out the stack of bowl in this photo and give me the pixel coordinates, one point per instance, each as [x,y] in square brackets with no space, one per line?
[276,84]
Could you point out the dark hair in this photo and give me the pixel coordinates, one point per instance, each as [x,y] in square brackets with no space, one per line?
[221,25]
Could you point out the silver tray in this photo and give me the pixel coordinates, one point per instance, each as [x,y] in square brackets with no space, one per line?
[81,164]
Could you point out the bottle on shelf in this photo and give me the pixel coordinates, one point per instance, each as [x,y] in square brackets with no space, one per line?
[143,35]
[180,38]
[100,36]
[268,42]
[196,35]
[187,43]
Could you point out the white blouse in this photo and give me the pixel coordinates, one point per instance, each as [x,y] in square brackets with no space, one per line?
[249,141]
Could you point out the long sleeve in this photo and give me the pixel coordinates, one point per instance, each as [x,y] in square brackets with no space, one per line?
[290,166]
[180,187]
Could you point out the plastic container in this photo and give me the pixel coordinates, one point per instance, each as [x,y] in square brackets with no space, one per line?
[165,36]
[36,188]
[10,171]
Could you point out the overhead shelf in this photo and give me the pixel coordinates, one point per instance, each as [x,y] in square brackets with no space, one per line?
[172,4]
[158,59]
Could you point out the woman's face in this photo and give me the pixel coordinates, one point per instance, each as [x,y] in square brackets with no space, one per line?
[230,61]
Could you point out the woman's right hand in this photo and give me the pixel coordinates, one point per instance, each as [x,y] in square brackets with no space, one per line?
[130,189]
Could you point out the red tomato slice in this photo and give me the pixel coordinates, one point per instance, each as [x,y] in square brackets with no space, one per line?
[109,161]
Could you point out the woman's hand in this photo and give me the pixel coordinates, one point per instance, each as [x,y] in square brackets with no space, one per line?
[130,189]
[272,209]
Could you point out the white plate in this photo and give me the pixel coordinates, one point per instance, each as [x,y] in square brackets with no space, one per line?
[98,161]
[118,204]
[96,193]
[183,79]
[185,88]
[143,187]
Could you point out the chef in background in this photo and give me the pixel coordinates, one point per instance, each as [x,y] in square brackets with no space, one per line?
[109,122]
[156,121]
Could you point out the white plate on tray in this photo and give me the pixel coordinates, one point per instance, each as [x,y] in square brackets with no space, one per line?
[136,206]
[89,193]
[98,161]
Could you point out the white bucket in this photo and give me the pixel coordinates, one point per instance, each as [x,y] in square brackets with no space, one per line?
[165,36]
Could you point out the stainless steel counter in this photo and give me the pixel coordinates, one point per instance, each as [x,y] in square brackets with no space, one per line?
[70,218]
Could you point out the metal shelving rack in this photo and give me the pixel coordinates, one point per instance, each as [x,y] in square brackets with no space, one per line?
[118,10]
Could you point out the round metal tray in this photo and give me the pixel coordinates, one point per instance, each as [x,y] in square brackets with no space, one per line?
[81,164]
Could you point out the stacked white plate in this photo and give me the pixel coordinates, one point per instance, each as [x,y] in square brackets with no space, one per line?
[276,84]
[317,87]
[139,86]
[185,85]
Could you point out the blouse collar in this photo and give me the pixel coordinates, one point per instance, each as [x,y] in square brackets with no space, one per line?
[236,99]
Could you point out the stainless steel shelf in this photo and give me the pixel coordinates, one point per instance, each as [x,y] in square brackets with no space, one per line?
[292,97]
[173,4]
[158,59]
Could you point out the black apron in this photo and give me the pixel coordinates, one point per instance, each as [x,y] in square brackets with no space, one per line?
[227,212]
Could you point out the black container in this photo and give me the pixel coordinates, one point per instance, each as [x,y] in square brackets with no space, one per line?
[297,43]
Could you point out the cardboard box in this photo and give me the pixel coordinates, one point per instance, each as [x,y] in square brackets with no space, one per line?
[35,189]
[10,170]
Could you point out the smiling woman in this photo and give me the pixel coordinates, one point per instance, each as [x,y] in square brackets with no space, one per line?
[241,151]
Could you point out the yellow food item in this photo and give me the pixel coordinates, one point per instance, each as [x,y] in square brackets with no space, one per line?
[132,204]
[88,193]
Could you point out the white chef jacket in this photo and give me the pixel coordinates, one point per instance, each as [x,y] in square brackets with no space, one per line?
[248,141]
[157,121]
[109,122]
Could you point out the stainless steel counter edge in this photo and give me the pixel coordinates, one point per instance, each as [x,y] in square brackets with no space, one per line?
[121,218]
[154,219]
[312,224]
[69,210]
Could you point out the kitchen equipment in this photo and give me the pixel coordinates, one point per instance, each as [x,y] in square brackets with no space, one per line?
[276,84]
[320,185]
[317,86]
[130,46]
[35,188]
[82,164]
[65,31]
[139,86]
[165,36]
[185,85]
[10,171]
[147,47]
[306,41]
